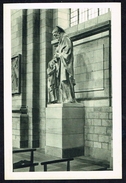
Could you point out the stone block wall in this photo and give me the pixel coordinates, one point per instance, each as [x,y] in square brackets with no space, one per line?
[16,130]
[16,45]
[34,37]
[61,18]
[16,49]
[98,132]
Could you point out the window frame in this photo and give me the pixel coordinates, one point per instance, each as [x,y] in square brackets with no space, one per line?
[79,18]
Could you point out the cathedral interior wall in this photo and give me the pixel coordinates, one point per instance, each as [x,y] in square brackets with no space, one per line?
[31,36]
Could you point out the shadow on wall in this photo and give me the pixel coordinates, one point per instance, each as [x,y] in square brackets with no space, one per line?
[36,79]
[83,73]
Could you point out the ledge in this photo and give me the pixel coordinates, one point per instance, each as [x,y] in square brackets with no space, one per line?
[101,27]
[19,109]
[16,111]
[95,98]
[64,105]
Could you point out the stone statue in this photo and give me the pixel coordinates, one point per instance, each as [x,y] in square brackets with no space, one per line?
[53,81]
[64,73]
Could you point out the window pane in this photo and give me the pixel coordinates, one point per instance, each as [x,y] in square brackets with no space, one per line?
[74,17]
[103,11]
[82,15]
[73,9]
[93,12]
[73,12]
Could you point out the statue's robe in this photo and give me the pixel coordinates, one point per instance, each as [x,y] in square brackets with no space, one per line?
[66,71]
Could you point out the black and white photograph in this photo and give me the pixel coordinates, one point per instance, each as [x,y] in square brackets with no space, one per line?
[62,82]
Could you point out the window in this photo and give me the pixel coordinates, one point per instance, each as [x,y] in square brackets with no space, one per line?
[74,17]
[81,15]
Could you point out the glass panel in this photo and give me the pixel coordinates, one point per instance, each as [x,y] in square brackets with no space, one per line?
[74,17]
[73,12]
[82,15]
[93,12]
[103,11]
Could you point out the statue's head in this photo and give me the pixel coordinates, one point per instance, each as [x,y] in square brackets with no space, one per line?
[57,32]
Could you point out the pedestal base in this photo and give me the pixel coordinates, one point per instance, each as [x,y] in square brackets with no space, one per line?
[64,130]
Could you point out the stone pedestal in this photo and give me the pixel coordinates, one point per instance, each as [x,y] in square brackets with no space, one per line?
[64,130]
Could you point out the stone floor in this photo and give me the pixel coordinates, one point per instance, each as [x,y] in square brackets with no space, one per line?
[81,163]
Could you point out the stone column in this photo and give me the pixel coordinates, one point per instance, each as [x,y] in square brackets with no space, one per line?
[33,75]
[24,115]
[61,18]
[46,21]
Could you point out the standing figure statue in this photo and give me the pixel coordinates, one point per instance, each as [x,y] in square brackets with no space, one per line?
[64,58]
[52,81]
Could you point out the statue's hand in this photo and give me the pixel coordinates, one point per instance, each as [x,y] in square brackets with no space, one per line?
[57,55]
